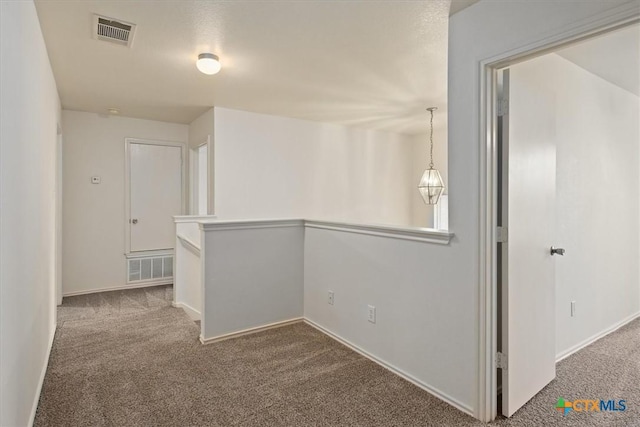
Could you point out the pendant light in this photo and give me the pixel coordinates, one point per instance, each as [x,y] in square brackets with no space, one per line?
[431,185]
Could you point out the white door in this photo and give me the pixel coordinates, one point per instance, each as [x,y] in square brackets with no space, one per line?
[155,195]
[528,269]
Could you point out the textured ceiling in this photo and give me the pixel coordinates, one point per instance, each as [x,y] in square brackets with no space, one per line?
[375,64]
[614,56]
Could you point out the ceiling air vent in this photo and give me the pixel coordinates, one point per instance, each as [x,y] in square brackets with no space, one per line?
[114,31]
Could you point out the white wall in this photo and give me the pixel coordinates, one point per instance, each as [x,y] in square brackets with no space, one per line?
[417,306]
[252,275]
[480,32]
[268,166]
[93,214]
[597,140]
[29,113]
[187,270]
[201,130]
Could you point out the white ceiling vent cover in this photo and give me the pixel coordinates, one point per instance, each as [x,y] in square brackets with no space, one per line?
[113,30]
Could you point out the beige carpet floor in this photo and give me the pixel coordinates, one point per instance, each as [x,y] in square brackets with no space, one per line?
[128,358]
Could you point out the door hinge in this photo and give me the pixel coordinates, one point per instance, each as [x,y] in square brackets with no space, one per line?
[501,360]
[502,107]
[502,234]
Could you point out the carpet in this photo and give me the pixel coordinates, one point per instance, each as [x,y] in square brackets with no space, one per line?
[128,358]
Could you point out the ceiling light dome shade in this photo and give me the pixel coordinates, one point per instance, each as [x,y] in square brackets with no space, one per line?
[208,63]
[431,186]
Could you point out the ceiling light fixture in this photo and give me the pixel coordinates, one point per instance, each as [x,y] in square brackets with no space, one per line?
[208,63]
[431,185]
[113,111]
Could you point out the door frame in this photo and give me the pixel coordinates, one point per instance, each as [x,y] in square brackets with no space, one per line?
[127,181]
[193,177]
[488,164]
[58,214]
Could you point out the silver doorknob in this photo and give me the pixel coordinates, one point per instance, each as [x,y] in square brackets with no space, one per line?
[134,221]
[557,251]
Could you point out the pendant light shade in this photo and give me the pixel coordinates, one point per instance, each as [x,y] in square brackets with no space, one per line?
[431,185]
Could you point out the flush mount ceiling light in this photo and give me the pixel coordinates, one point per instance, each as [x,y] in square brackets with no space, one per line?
[431,185]
[113,111]
[208,63]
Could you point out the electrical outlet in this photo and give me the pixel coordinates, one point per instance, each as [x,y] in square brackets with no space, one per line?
[573,308]
[371,314]
[330,300]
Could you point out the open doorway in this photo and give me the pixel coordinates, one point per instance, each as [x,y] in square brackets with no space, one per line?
[200,190]
[567,148]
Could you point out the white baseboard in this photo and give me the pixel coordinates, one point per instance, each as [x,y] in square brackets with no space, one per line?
[596,337]
[43,373]
[426,387]
[119,288]
[251,330]
[191,312]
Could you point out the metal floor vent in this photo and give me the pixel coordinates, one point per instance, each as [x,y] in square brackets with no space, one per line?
[114,31]
[150,268]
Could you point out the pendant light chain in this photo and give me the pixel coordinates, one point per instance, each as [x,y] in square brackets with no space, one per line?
[431,140]
[431,185]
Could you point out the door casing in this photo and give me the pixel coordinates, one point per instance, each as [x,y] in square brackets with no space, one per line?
[488,207]
[193,177]
[127,181]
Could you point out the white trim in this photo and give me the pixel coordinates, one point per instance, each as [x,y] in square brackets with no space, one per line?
[211,164]
[127,181]
[487,289]
[250,224]
[203,288]
[608,20]
[134,285]
[43,373]
[150,254]
[210,175]
[192,218]
[159,281]
[194,154]
[251,330]
[441,213]
[429,235]
[190,245]
[563,355]
[426,387]
[58,215]
[487,404]
[191,312]
[193,185]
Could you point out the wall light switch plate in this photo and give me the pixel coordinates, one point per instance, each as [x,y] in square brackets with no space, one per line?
[371,314]
[95,180]
[330,300]
[573,308]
